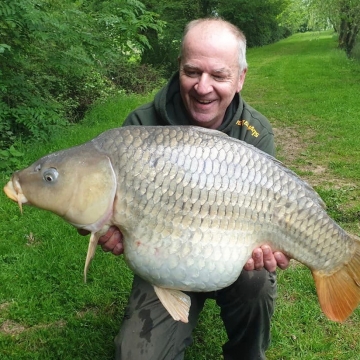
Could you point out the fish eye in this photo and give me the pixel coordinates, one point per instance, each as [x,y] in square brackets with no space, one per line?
[50,175]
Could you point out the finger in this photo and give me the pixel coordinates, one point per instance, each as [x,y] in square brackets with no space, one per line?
[114,243]
[107,236]
[282,260]
[249,266]
[268,258]
[257,256]
[118,249]
[110,244]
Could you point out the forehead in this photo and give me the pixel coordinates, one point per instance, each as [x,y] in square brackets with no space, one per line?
[212,46]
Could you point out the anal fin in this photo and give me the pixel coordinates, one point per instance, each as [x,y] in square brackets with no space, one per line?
[175,302]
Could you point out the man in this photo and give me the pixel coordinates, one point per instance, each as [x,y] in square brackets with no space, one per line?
[205,92]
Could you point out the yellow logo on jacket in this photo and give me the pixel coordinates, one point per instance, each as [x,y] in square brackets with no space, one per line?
[249,127]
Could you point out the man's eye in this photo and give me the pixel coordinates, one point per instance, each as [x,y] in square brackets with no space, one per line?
[191,73]
[219,78]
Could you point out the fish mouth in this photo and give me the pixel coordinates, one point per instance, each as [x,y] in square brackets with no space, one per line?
[13,191]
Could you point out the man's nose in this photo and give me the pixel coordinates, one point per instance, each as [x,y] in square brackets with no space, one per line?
[204,86]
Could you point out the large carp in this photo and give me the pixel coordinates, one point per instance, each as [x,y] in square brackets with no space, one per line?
[192,204]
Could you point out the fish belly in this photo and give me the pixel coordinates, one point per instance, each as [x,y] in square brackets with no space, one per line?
[196,261]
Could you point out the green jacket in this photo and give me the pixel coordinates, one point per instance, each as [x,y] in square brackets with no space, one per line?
[241,120]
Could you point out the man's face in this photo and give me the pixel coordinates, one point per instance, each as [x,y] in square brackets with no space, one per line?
[209,74]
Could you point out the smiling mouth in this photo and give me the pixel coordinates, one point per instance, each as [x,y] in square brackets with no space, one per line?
[204,102]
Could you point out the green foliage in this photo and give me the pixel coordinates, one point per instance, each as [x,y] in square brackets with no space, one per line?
[344,17]
[137,78]
[10,159]
[258,19]
[56,58]
[164,48]
[295,17]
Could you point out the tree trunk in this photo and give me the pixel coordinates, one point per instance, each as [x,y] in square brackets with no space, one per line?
[348,28]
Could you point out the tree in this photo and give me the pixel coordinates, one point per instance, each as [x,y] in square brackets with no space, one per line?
[295,17]
[349,24]
[258,19]
[343,15]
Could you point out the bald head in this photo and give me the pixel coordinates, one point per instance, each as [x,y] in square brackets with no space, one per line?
[217,32]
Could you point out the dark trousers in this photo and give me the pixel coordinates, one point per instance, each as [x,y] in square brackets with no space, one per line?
[149,333]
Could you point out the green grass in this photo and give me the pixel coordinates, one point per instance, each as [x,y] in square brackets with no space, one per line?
[305,83]
[310,92]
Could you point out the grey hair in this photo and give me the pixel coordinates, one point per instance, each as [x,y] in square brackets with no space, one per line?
[239,35]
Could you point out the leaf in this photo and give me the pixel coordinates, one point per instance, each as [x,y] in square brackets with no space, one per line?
[4,153]
[3,164]
[4,47]
[15,152]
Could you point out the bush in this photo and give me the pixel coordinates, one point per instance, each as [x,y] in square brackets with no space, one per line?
[54,58]
[137,78]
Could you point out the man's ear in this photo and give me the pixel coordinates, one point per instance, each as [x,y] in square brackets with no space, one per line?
[241,80]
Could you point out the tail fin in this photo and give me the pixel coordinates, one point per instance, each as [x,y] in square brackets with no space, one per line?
[339,293]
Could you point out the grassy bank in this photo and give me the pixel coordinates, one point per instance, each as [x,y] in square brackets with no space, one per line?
[310,92]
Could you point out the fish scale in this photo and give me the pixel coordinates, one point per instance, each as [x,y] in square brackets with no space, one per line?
[192,204]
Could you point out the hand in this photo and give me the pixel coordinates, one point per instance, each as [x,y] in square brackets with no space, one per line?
[263,257]
[112,241]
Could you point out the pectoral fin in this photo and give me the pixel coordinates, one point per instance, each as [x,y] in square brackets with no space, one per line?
[175,302]
[94,238]
[91,252]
